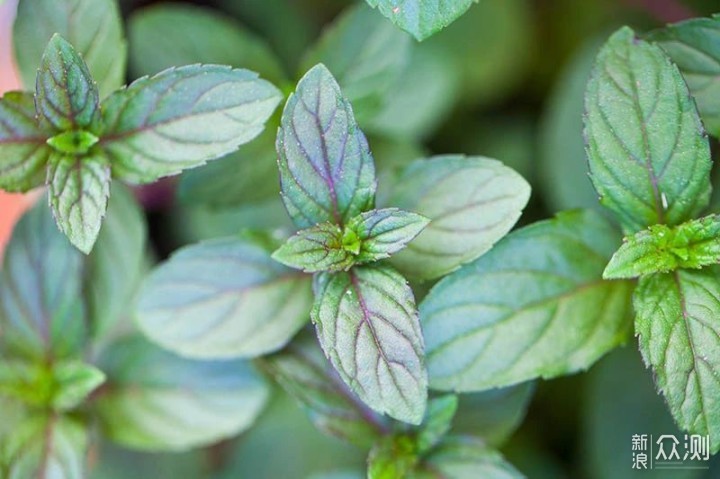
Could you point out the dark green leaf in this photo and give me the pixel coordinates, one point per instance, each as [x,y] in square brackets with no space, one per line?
[482,334]
[465,458]
[471,203]
[166,35]
[694,46]
[392,457]
[660,249]
[41,309]
[421,18]
[437,422]
[23,151]
[114,267]
[382,233]
[318,248]
[94,27]
[367,325]
[79,188]
[45,447]
[157,401]
[183,117]
[326,169]
[66,96]
[366,54]
[649,155]
[677,323]
[304,373]
[223,298]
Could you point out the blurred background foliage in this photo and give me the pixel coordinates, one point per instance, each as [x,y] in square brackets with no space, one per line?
[506,81]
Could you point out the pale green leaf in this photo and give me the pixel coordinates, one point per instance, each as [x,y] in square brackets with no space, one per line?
[694,46]
[438,420]
[366,54]
[367,325]
[677,324]
[318,248]
[23,152]
[661,249]
[45,446]
[304,373]
[465,458]
[421,18]
[382,233]
[94,28]
[482,334]
[182,118]
[223,298]
[392,457]
[170,34]
[41,308]
[113,269]
[649,155]
[78,187]
[326,169]
[74,381]
[66,96]
[471,202]
[158,401]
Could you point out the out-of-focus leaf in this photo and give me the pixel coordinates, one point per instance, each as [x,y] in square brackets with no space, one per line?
[465,458]
[438,420]
[421,18]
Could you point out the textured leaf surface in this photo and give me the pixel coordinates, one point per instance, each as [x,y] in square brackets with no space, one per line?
[223,298]
[326,170]
[465,458]
[384,232]
[677,323]
[42,313]
[694,46]
[183,117]
[649,155]
[471,203]
[50,447]
[78,188]
[318,248]
[93,27]
[367,325]
[113,269]
[482,334]
[366,54]
[421,18]
[171,34]
[158,401]
[303,371]
[23,152]
[660,249]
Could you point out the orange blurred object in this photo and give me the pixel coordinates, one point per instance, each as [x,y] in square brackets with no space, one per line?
[11,206]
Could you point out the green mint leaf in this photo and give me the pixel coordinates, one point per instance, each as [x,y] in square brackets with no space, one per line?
[73,142]
[93,27]
[114,268]
[47,446]
[66,96]
[367,325]
[421,18]
[465,458]
[158,401]
[74,382]
[22,144]
[223,298]
[677,323]
[694,46]
[366,54]
[649,155]
[471,202]
[303,371]
[438,420]
[327,173]
[181,118]
[382,233]
[661,249]
[79,187]
[166,35]
[392,457]
[318,248]
[41,308]
[481,334]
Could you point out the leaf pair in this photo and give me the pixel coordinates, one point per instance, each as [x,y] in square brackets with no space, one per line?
[157,127]
[650,163]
